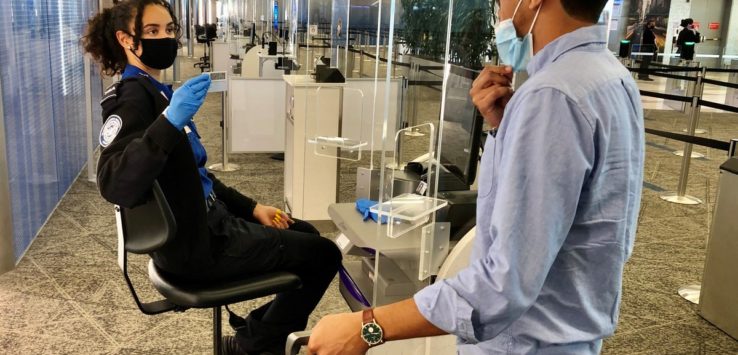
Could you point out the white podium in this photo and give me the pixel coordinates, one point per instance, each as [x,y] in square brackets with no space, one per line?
[310,180]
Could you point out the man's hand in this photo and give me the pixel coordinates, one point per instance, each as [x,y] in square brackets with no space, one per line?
[491,92]
[272,217]
[338,334]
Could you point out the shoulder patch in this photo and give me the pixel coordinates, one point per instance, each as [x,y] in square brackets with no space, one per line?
[110,130]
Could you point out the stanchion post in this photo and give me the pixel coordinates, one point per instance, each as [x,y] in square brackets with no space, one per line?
[681,196]
[697,130]
[733,150]
[88,112]
[692,292]
[696,87]
[224,166]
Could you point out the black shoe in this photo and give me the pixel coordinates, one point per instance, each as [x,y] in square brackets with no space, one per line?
[229,346]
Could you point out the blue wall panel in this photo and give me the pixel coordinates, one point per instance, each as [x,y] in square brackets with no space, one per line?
[41,67]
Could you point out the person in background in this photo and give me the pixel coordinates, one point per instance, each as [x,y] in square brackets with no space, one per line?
[648,45]
[149,135]
[558,200]
[688,34]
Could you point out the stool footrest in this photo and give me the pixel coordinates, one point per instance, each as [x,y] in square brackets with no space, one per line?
[161,306]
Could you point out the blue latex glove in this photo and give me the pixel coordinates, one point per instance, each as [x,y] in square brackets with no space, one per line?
[187,100]
[363,206]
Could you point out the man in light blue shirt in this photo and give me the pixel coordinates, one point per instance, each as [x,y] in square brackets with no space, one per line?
[559,195]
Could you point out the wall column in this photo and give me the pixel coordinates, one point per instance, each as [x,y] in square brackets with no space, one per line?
[731,40]
[7,255]
[680,9]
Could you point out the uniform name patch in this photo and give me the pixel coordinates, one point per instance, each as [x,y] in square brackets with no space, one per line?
[110,130]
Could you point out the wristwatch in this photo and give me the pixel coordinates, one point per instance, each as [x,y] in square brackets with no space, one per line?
[371,332]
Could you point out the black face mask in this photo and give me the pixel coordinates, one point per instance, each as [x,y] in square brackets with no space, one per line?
[158,53]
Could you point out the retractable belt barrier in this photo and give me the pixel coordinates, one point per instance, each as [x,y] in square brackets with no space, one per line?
[720,83]
[718,106]
[674,68]
[669,76]
[689,139]
[702,80]
[678,68]
[704,142]
[666,70]
[721,70]
[383,60]
[665,96]
[425,82]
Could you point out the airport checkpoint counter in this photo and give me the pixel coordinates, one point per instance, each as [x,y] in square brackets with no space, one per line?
[719,282]
[390,275]
[399,277]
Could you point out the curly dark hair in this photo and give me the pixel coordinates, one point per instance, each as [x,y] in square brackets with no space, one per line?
[100,39]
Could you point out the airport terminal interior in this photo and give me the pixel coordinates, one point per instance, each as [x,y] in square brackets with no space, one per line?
[374,97]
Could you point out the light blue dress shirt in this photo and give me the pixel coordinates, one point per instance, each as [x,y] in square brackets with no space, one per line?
[559,195]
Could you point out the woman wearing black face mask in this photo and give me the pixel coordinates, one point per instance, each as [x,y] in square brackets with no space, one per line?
[149,135]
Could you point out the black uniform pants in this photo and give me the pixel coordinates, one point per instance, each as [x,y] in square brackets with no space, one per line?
[250,248]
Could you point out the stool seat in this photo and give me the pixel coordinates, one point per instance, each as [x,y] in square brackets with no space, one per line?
[144,229]
[193,295]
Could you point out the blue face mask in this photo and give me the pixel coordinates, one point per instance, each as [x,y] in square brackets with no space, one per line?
[513,51]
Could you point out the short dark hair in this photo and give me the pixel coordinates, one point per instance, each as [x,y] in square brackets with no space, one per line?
[585,10]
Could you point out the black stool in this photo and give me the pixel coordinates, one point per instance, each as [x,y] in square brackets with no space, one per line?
[146,228]
[206,36]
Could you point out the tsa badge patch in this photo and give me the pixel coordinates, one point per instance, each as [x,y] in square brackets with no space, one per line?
[110,129]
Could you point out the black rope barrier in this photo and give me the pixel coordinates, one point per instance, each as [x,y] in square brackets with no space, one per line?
[432,73]
[672,67]
[719,106]
[430,67]
[671,76]
[705,142]
[666,96]
[680,68]
[721,70]
[425,82]
[657,70]
[380,58]
[314,46]
[720,83]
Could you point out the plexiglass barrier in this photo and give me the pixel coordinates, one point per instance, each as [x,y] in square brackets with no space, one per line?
[376,128]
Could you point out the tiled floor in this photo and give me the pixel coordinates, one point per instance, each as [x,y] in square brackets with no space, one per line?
[67,295]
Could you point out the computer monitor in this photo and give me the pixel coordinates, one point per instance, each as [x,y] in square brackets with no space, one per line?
[462,130]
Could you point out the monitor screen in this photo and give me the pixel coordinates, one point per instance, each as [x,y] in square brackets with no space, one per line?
[462,127]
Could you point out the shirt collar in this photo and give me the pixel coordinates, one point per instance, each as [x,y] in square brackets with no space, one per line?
[132,71]
[586,36]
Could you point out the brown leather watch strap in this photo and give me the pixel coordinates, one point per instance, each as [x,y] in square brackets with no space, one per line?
[367,316]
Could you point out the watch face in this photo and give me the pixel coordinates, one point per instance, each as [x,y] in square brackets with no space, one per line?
[371,333]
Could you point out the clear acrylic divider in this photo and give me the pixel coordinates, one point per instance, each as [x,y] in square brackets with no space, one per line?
[350,141]
[405,211]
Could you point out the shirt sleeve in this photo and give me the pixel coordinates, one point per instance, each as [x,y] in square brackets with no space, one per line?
[237,203]
[137,154]
[547,154]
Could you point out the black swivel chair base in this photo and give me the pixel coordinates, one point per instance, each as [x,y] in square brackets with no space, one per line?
[146,228]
